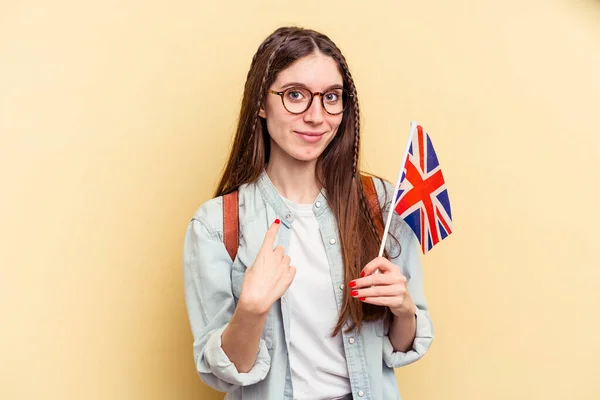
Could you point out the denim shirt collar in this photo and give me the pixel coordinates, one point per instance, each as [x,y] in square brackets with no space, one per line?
[271,196]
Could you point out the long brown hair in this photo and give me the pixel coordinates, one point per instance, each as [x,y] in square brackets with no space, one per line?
[339,162]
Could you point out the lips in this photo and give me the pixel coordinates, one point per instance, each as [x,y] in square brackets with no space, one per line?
[310,133]
[310,137]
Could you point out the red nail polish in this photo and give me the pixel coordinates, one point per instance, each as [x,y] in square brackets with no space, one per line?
[354,293]
[361,298]
[277,221]
[362,274]
[352,284]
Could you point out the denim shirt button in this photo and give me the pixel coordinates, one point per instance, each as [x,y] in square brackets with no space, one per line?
[361,393]
[318,204]
[341,286]
[332,241]
[351,340]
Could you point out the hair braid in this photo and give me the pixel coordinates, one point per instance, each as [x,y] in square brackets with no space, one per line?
[261,95]
[355,167]
[354,96]
[356,134]
[260,50]
[241,169]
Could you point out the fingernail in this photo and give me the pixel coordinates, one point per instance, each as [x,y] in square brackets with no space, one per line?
[362,274]
[361,298]
[354,293]
[277,221]
[352,284]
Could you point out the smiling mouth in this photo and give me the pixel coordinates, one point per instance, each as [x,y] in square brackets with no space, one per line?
[310,133]
[310,137]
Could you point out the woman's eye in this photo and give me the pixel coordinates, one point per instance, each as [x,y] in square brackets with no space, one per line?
[332,97]
[295,95]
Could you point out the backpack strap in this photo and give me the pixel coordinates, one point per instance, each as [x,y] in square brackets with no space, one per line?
[373,202]
[231,215]
[231,223]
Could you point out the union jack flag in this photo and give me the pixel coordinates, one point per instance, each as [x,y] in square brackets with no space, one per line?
[422,199]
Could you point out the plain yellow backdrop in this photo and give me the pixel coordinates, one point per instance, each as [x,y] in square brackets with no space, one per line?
[116,117]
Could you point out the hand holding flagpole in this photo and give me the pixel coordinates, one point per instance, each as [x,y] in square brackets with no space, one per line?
[420,199]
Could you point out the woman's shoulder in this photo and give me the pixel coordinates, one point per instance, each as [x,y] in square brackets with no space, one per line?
[210,214]
[385,190]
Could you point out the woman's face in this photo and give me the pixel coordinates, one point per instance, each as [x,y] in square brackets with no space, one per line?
[305,136]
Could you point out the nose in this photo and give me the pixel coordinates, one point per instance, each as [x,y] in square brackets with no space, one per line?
[315,112]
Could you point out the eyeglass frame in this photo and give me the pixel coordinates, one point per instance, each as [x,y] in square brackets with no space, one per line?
[312,96]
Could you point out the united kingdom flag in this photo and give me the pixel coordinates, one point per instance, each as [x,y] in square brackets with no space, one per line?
[422,199]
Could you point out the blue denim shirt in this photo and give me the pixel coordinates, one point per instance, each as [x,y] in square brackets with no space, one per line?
[213,283]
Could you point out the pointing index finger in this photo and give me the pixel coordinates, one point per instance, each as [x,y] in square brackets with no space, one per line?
[270,236]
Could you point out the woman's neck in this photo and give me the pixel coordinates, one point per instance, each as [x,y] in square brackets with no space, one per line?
[295,180]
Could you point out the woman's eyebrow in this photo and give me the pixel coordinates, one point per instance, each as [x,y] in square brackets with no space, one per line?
[298,84]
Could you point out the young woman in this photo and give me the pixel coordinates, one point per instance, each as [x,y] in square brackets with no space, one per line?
[306,309]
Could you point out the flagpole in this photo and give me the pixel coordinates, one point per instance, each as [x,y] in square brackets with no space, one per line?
[413,125]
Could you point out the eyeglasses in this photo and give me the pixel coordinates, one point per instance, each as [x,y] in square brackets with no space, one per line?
[297,100]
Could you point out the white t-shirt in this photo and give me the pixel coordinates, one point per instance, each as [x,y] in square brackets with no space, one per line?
[317,360]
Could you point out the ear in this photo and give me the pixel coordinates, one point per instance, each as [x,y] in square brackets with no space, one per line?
[262,113]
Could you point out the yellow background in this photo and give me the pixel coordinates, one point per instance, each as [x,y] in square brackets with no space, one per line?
[115,117]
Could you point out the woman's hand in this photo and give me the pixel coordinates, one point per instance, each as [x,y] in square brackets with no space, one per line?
[269,277]
[387,288]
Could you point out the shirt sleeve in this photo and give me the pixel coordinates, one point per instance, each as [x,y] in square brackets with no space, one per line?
[406,255]
[210,306]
